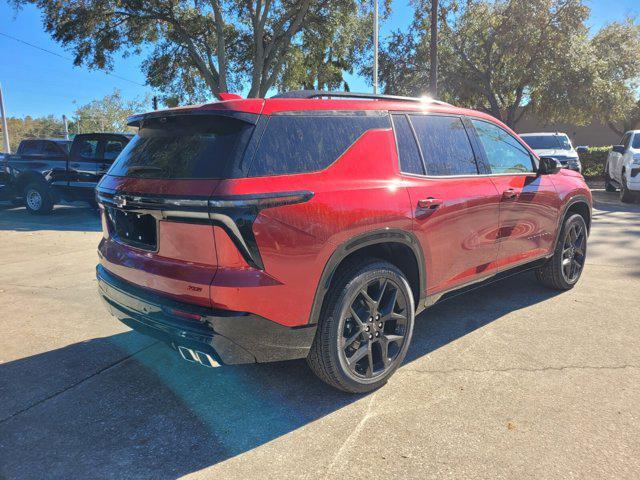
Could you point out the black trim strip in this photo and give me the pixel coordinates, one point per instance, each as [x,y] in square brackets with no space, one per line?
[235,214]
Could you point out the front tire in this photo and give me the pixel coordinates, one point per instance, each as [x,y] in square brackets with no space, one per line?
[365,327]
[563,270]
[37,198]
[626,195]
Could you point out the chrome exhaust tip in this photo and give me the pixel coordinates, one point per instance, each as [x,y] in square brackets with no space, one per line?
[195,356]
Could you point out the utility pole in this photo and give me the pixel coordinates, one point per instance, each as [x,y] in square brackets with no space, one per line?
[5,129]
[66,127]
[433,51]
[375,47]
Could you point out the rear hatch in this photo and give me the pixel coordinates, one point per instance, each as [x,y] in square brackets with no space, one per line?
[157,230]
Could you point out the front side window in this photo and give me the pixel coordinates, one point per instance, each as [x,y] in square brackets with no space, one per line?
[410,161]
[299,143]
[636,141]
[504,153]
[445,145]
[625,140]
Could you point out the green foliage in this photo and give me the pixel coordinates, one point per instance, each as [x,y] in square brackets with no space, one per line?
[511,57]
[196,49]
[593,162]
[108,114]
[28,127]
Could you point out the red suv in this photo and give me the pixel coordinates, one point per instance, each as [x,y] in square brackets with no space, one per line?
[318,225]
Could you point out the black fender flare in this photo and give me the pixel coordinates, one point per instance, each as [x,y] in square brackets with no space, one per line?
[382,236]
[27,177]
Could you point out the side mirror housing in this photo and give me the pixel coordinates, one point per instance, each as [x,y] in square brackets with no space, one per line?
[549,166]
[618,149]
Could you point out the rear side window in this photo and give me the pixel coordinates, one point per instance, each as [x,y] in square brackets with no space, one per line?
[300,143]
[445,146]
[183,146]
[410,161]
[112,149]
[51,148]
[504,153]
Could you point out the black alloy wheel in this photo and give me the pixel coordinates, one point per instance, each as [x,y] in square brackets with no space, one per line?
[365,327]
[574,252]
[562,271]
[373,329]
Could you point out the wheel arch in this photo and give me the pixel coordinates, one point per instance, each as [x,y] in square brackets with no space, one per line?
[578,204]
[398,247]
[26,178]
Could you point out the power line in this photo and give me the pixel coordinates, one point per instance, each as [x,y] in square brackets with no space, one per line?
[67,58]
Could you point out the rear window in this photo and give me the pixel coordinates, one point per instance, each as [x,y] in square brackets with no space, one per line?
[300,143]
[445,145]
[547,142]
[184,146]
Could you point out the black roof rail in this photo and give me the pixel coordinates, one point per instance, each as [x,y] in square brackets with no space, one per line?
[308,94]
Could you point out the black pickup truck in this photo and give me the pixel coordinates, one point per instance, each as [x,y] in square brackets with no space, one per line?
[45,171]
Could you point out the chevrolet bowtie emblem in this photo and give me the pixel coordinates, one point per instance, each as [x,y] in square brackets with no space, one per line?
[120,201]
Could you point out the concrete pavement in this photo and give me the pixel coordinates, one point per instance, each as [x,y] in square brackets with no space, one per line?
[509,381]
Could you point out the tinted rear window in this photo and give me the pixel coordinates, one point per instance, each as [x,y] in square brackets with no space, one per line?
[186,146]
[299,143]
[547,142]
[445,145]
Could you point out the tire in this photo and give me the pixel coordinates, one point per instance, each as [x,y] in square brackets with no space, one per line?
[352,326]
[626,195]
[608,186]
[37,198]
[571,247]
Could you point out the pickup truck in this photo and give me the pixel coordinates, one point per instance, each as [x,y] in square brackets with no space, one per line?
[45,171]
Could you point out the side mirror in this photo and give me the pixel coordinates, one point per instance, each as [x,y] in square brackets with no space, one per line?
[549,166]
[618,149]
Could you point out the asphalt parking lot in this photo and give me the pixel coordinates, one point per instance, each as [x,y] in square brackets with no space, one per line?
[509,381]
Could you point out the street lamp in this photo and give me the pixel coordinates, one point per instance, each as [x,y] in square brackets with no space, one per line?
[375,47]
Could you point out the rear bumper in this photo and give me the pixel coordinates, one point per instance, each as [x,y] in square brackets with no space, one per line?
[229,337]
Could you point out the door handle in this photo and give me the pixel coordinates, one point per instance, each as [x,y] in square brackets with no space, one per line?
[509,194]
[429,203]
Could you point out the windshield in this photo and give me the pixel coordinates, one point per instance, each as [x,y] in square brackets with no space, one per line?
[547,142]
[184,146]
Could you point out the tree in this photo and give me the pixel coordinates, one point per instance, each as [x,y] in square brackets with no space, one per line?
[198,47]
[29,127]
[330,45]
[508,53]
[614,98]
[108,114]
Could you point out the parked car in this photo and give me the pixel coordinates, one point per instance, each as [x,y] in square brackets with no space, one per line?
[555,145]
[622,169]
[318,225]
[45,171]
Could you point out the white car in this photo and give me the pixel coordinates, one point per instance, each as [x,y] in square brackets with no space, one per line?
[622,169]
[555,145]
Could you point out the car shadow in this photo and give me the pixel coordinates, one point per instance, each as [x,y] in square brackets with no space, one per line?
[124,403]
[76,216]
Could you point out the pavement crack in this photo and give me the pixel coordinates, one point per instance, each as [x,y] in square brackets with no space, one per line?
[354,434]
[59,392]
[521,369]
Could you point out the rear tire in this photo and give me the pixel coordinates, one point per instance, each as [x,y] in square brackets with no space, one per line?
[37,198]
[608,186]
[365,328]
[563,270]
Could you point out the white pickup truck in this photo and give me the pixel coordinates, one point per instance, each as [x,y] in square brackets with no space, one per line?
[622,169]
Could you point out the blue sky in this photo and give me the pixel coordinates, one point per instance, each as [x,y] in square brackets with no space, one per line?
[38,83]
